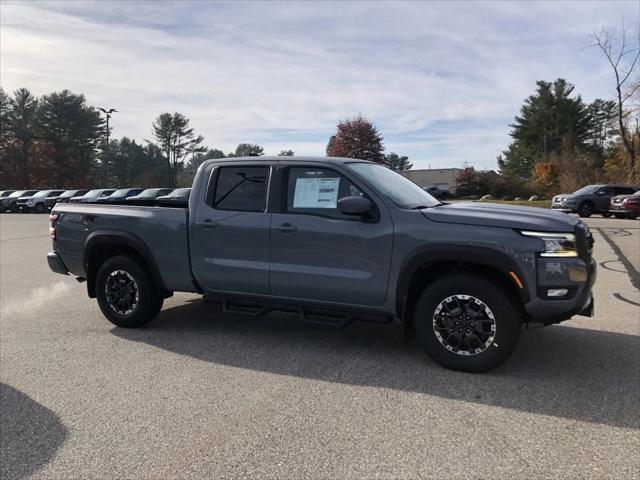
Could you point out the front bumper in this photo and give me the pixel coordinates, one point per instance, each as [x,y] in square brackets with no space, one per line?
[615,209]
[575,275]
[558,207]
[56,264]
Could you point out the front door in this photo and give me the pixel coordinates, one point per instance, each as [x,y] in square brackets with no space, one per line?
[230,231]
[602,198]
[318,253]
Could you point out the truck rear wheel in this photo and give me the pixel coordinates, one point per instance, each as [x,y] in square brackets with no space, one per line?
[467,322]
[126,292]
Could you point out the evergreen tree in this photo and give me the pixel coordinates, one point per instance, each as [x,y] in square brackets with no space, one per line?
[397,163]
[546,120]
[247,150]
[177,140]
[72,129]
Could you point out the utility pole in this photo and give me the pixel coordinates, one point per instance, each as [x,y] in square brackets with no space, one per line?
[106,153]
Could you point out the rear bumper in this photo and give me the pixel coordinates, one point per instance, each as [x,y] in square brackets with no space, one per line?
[56,264]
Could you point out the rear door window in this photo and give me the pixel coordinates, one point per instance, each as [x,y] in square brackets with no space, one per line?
[241,189]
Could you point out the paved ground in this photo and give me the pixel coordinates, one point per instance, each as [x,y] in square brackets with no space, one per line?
[201,394]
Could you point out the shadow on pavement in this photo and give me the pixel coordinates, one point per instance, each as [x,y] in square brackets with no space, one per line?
[30,434]
[567,372]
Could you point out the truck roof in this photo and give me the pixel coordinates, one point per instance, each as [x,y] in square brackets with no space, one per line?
[329,160]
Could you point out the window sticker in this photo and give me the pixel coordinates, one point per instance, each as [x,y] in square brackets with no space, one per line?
[316,193]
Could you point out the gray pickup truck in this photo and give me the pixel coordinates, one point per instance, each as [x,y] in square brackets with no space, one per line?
[335,240]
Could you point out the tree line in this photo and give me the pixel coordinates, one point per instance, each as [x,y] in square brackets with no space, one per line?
[59,140]
[560,143]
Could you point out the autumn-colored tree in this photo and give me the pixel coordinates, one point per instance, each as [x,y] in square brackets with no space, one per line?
[357,138]
[616,168]
[545,178]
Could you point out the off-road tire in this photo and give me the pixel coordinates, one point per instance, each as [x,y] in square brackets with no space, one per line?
[507,317]
[149,302]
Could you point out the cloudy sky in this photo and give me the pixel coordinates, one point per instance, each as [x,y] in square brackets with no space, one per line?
[442,81]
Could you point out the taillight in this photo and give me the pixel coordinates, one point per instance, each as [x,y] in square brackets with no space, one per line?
[53,219]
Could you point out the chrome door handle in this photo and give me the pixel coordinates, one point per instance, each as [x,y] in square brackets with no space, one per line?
[286,228]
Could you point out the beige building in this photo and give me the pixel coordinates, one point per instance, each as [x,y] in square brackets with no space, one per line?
[443,178]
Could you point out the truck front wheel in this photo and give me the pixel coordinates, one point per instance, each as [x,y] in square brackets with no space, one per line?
[467,322]
[126,292]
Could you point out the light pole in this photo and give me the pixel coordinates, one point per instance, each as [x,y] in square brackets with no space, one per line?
[106,156]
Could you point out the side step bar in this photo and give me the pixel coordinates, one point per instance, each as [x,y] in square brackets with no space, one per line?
[315,316]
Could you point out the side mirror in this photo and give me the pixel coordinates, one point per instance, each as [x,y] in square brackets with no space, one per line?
[355,205]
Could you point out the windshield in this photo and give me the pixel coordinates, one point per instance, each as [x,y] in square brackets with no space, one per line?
[402,191]
[92,193]
[16,194]
[180,192]
[587,190]
[43,193]
[150,192]
[121,193]
[69,193]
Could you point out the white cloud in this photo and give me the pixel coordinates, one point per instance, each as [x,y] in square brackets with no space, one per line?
[242,70]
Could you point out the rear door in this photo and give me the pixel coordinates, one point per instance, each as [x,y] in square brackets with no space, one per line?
[319,254]
[230,229]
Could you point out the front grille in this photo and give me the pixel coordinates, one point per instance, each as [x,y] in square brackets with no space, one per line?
[584,241]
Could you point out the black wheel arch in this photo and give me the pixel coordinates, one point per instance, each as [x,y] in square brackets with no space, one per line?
[430,262]
[103,244]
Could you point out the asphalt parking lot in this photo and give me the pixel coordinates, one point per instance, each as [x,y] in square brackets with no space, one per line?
[200,394]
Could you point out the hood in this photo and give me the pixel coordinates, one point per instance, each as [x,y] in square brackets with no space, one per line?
[504,216]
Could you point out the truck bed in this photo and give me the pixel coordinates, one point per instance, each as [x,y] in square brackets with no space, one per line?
[164,231]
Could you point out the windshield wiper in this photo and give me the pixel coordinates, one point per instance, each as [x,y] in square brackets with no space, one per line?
[420,207]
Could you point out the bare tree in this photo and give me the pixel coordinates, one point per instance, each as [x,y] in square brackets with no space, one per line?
[623,60]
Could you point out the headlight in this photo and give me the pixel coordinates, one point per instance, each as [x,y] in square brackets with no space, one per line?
[556,244]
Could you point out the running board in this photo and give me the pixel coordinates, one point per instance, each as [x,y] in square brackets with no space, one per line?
[311,315]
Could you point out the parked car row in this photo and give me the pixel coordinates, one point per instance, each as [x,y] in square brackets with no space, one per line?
[621,201]
[41,201]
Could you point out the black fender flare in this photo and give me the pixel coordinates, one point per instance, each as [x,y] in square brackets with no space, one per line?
[421,257]
[100,238]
